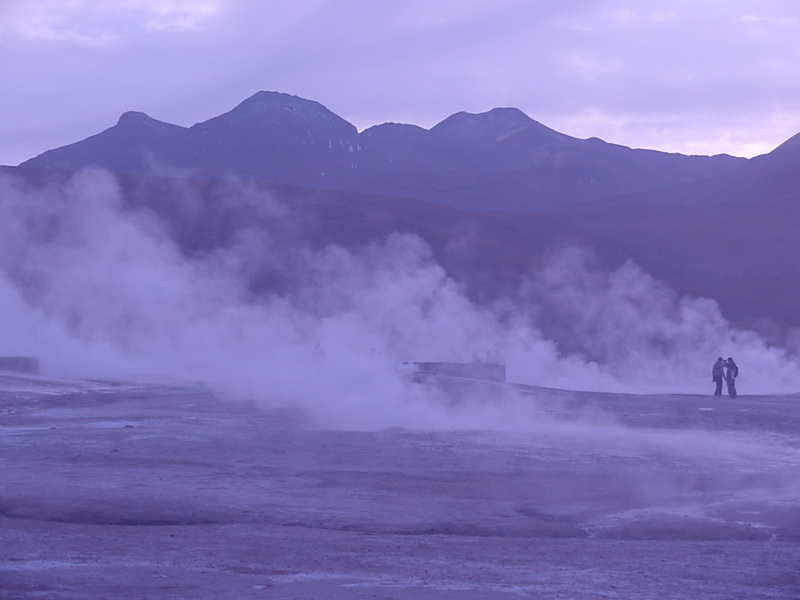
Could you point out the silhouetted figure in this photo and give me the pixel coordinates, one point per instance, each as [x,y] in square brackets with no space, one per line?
[717,373]
[731,373]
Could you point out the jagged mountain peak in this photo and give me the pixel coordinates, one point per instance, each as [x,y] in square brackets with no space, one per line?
[134,118]
[508,115]
[267,102]
[394,130]
[136,122]
[267,110]
[494,125]
[269,96]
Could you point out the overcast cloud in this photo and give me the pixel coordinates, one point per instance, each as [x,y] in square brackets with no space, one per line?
[677,75]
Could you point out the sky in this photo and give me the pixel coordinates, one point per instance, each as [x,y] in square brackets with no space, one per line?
[707,77]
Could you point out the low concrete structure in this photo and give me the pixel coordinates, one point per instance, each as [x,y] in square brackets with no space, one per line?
[20,364]
[473,370]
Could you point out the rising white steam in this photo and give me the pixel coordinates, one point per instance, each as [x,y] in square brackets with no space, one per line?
[96,289]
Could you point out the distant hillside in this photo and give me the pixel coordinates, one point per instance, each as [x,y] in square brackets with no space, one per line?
[498,160]
[734,238]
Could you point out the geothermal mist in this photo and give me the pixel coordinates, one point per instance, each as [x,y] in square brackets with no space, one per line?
[97,289]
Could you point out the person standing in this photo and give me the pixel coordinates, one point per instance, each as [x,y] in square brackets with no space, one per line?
[717,373]
[731,373]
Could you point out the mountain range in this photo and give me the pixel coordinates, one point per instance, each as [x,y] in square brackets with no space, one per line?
[490,193]
[497,160]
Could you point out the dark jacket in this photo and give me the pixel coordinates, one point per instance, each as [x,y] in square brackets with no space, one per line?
[731,370]
[718,370]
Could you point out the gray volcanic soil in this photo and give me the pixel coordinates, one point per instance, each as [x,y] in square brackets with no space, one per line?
[144,491]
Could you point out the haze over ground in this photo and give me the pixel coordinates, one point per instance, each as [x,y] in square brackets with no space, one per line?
[567,286]
[96,288]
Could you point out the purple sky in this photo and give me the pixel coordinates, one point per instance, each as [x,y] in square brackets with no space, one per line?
[678,75]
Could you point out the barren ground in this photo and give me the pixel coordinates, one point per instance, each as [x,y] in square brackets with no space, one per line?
[152,491]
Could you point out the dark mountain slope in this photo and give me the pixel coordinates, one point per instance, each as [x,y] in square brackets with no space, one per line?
[501,159]
[734,238]
[273,137]
[136,144]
